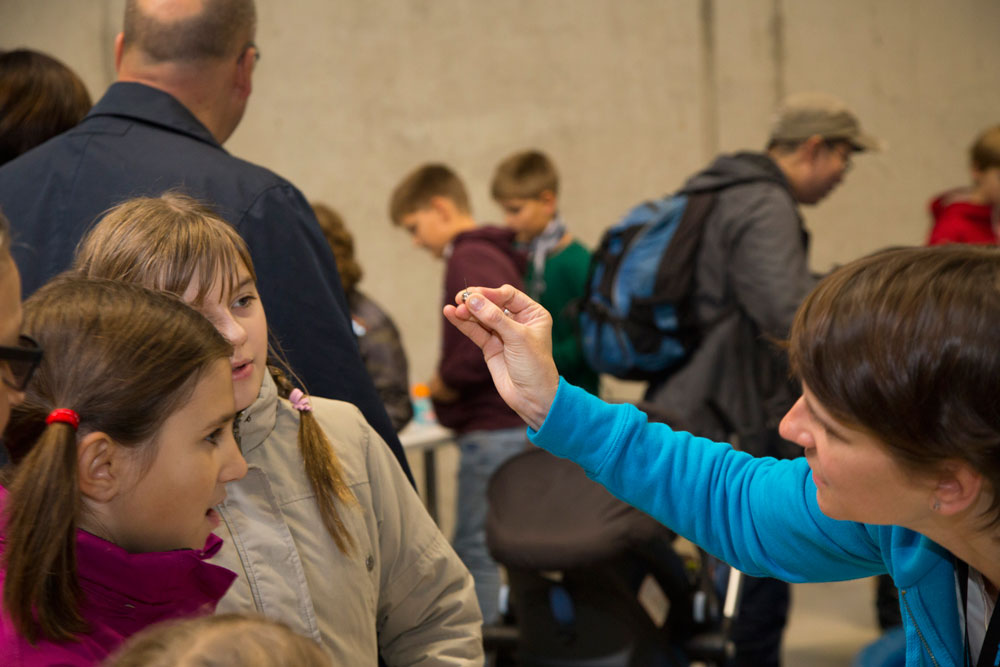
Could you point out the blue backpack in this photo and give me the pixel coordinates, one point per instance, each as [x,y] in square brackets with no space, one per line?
[636,320]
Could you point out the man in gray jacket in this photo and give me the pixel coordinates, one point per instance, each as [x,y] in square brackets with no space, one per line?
[752,272]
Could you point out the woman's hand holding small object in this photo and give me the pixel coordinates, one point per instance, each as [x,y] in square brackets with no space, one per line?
[515,334]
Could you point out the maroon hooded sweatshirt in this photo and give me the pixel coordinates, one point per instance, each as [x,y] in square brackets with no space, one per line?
[483,257]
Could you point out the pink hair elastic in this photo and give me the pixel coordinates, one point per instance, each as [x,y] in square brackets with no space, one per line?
[64,416]
[300,401]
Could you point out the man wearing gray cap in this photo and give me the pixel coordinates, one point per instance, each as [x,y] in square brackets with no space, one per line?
[751,273]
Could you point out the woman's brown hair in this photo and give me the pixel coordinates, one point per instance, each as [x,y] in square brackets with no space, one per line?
[122,357]
[165,243]
[903,344]
[39,98]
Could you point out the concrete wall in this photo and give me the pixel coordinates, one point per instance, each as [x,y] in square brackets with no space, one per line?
[628,96]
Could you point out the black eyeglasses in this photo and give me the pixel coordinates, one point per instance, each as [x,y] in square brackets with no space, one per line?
[19,363]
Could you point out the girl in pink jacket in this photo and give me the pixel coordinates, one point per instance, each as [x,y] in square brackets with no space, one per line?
[122,444]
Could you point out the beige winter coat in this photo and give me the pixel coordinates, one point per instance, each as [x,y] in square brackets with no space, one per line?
[402,589]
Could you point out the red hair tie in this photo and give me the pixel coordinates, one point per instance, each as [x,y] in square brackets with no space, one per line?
[64,416]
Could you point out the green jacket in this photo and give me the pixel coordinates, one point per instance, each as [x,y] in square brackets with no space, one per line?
[565,283]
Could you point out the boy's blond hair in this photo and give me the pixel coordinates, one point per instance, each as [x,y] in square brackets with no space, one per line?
[423,184]
[985,153]
[524,175]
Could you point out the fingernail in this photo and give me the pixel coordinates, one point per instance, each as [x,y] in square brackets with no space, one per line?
[476,302]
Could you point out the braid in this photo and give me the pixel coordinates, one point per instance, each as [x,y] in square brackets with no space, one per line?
[322,468]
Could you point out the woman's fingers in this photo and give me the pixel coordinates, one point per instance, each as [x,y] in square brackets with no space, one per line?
[468,325]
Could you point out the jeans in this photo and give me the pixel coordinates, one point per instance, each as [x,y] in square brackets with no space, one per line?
[482,454]
[760,622]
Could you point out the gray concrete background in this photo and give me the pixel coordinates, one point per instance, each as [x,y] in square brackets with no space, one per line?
[628,96]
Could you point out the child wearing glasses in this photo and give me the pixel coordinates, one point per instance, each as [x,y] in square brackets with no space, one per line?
[325,532]
[16,366]
[122,445]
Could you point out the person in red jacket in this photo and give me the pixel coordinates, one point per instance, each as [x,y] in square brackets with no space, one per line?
[972,214]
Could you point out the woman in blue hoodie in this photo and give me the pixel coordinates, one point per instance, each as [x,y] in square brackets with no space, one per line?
[899,418]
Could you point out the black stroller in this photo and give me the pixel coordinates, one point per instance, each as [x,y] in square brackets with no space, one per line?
[595,582]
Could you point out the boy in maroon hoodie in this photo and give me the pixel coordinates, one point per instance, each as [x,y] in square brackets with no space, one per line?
[431,203]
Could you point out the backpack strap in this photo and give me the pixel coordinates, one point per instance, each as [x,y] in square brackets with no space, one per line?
[675,276]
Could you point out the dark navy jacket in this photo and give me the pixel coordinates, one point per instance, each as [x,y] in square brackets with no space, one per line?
[140,141]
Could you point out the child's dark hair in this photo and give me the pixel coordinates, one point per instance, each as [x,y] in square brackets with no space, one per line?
[165,243]
[123,358]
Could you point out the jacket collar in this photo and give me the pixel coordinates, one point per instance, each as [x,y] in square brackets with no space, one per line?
[257,421]
[137,101]
[181,580]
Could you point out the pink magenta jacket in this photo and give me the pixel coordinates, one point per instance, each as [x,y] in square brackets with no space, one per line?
[122,594]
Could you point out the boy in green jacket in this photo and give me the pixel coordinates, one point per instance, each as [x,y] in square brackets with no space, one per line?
[526,186]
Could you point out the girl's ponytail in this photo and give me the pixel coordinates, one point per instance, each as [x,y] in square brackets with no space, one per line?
[41,539]
[322,468]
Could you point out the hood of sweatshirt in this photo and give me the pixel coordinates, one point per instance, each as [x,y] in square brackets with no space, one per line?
[736,168]
[501,237]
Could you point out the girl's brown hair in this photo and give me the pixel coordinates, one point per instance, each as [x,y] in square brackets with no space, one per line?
[903,344]
[167,242]
[341,243]
[122,357]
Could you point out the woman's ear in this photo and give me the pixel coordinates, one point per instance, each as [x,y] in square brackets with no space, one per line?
[958,488]
[99,467]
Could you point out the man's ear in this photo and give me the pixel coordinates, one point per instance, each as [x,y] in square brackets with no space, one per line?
[244,72]
[958,488]
[810,148]
[119,50]
[100,467]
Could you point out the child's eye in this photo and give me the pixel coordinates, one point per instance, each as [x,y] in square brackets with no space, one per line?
[243,301]
[214,436]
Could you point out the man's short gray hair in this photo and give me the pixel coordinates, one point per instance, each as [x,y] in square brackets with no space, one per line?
[222,29]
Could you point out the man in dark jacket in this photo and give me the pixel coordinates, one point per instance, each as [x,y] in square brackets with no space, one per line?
[752,272]
[185,72]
